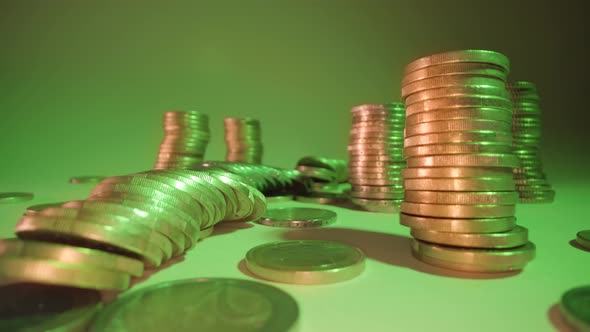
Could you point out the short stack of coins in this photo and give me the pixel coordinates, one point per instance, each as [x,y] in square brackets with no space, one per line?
[531,182]
[127,222]
[186,135]
[459,189]
[243,140]
[328,177]
[375,156]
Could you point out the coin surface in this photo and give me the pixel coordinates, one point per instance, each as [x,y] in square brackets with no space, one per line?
[215,304]
[461,198]
[518,236]
[305,261]
[298,217]
[458,211]
[574,307]
[458,225]
[458,160]
[474,260]
[15,197]
[46,307]
[461,56]
[86,179]
[583,238]
[460,184]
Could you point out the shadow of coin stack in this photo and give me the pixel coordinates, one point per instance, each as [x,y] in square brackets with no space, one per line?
[375,151]
[531,182]
[186,135]
[460,195]
[242,137]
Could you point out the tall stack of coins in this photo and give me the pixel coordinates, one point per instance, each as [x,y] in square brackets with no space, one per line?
[186,135]
[460,195]
[531,182]
[126,223]
[242,137]
[375,151]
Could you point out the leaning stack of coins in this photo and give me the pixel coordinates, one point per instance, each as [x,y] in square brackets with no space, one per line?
[375,151]
[531,182]
[460,195]
[186,135]
[328,178]
[242,137]
[126,223]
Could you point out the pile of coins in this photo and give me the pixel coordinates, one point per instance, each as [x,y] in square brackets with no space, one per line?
[242,137]
[531,182]
[126,223]
[186,135]
[375,151]
[460,194]
[328,177]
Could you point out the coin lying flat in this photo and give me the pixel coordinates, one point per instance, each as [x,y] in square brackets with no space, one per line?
[462,56]
[461,198]
[583,239]
[298,217]
[208,305]
[305,261]
[378,205]
[460,184]
[574,307]
[458,211]
[515,237]
[474,260]
[458,225]
[15,197]
[47,307]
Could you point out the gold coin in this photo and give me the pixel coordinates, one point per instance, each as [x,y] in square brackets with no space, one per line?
[456,172]
[474,260]
[15,197]
[456,148]
[450,81]
[466,160]
[461,198]
[460,184]
[487,113]
[459,137]
[378,205]
[461,56]
[457,125]
[457,91]
[458,211]
[459,225]
[516,237]
[433,105]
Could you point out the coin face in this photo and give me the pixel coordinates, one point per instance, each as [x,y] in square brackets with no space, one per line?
[298,217]
[215,304]
[574,307]
[515,237]
[458,225]
[46,307]
[305,261]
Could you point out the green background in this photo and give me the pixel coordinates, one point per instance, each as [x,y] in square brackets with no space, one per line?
[83,84]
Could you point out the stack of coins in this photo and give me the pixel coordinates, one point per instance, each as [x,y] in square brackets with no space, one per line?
[127,222]
[186,135]
[375,151]
[531,182]
[242,137]
[460,195]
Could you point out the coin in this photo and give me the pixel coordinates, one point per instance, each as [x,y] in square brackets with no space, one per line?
[243,140]
[457,91]
[305,261]
[378,205]
[71,255]
[456,148]
[46,307]
[583,239]
[469,68]
[487,113]
[459,225]
[87,179]
[462,56]
[456,172]
[458,137]
[458,211]
[481,160]
[322,198]
[206,232]
[215,304]
[431,105]
[279,198]
[474,260]
[297,217]
[34,209]
[449,81]
[15,197]
[574,307]
[515,237]
[457,125]
[461,198]
[52,272]
[460,184]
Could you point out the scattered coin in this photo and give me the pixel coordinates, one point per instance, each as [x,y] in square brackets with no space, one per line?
[583,239]
[15,197]
[574,307]
[215,304]
[305,261]
[87,179]
[298,217]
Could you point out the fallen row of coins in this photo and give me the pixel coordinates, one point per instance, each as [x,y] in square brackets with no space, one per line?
[328,180]
[126,223]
